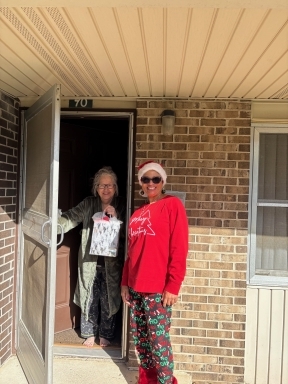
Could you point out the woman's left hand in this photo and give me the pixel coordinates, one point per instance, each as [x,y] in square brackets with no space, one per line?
[168,298]
[109,210]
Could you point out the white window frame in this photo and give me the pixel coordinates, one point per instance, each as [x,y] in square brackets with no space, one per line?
[252,277]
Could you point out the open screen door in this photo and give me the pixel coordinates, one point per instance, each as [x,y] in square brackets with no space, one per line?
[38,237]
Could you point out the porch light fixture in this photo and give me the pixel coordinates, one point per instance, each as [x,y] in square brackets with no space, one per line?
[168,122]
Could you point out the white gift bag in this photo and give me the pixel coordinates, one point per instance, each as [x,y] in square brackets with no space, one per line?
[105,236]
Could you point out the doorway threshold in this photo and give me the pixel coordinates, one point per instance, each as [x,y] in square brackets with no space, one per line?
[71,351]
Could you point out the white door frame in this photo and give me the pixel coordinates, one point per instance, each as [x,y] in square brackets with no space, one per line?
[104,353]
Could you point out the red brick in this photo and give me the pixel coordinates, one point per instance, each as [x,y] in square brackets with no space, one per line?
[155,121]
[6,150]
[187,138]
[186,121]
[174,146]
[187,105]
[239,105]
[238,139]
[201,113]
[213,122]
[141,104]
[227,114]
[6,167]
[212,155]
[239,122]
[212,105]
[245,131]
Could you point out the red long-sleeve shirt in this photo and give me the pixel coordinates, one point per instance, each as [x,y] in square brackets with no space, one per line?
[157,247]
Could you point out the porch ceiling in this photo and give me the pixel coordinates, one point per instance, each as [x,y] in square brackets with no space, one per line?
[129,49]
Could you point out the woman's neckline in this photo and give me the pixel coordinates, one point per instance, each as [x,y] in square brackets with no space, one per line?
[156,201]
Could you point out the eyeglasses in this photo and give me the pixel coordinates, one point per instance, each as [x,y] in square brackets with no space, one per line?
[155,180]
[103,186]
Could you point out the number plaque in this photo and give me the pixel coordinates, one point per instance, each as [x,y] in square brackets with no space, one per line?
[80,103]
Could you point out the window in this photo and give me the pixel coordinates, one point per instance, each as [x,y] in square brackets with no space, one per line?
[268,207]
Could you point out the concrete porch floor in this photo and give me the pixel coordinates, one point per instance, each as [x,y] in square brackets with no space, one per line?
[81,370]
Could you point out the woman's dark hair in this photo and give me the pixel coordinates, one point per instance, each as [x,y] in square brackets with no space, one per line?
[104,171]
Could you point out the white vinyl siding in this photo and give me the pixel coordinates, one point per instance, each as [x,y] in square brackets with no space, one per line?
[266,342]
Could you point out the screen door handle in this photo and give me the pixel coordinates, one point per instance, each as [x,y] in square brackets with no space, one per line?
[42,232]
[62,234]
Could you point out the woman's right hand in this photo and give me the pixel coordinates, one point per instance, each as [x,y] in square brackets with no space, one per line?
[111,211]
[125,294]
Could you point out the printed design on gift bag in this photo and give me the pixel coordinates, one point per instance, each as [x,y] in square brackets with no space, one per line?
[105,235]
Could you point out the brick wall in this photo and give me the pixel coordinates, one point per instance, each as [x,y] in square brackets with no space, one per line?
[208,158]
[9,109]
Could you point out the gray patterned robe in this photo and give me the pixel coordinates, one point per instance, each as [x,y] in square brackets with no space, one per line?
[83,213]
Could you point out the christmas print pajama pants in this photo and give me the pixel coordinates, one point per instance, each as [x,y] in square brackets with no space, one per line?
[150,324]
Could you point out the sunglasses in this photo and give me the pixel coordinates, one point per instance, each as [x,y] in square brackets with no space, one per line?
[155,180]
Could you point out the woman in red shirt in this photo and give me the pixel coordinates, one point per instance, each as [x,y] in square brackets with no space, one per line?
[153,273]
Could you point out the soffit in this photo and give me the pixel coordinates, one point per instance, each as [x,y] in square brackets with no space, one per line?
[124,51]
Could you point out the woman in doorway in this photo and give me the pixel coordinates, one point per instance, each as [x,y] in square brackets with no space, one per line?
[153,273]
[98,286]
